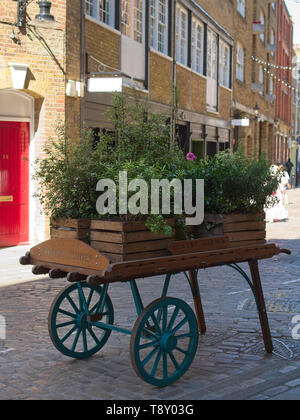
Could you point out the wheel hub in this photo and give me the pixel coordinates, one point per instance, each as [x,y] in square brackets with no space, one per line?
[82,321]
[168,342]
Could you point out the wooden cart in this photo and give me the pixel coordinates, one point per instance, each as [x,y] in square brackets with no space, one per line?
[164,339]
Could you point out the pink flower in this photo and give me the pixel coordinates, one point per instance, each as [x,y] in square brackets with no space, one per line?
[191,156]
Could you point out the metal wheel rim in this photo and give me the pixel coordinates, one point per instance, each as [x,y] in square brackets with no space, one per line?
[54,333]
[159,354]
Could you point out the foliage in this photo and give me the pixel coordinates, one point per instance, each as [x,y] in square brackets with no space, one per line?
[234,183]
[69,172]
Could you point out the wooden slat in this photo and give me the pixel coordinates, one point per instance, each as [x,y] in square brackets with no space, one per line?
[125,237]
[248,243]
[69,252]
[117,258]
[244,226]
[246,236]
[235,218]
[130,248]
[71,223]
[119,226]
[69,234]
[198,245]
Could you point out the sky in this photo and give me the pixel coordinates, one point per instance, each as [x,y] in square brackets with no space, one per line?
[294,9]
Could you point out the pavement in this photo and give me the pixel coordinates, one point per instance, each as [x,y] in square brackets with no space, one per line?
[230,364]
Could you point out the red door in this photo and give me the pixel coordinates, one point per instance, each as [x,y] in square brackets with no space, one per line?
[14,183]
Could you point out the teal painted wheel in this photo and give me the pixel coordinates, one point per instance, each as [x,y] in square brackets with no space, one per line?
[164,341]
[72,317]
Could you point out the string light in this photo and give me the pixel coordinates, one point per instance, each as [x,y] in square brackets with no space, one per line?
[274,66]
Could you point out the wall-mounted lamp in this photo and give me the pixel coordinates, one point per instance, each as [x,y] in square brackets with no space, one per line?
[256,110]
[43,19]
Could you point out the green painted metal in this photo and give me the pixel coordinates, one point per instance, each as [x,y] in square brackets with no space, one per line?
[163,352]
[111,327]
[248,280]
[71,328]
[136,297]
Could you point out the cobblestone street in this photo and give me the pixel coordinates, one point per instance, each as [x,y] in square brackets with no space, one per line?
[230,364]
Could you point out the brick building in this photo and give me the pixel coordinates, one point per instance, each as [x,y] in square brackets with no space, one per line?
[284,93]
[35,63]
[255,24]
[216,55]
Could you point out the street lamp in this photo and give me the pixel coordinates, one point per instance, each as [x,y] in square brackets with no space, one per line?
[256,110]
[43,19]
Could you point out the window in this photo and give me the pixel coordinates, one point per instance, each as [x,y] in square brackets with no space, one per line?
[240,62]
[197,46]
[271,86]
[102,10]
[261,79]
[224,64]
[241,7]
[262,21]
[181,35]
[159,25]
[132,17]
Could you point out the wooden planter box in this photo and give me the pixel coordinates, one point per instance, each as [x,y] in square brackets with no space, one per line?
[128,241]
[242,229]
[70,229]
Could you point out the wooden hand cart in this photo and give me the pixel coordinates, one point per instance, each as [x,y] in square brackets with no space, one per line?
[164,339]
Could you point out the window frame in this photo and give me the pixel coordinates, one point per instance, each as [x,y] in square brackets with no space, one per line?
[241,7]
[240,64]
[158,41]
[224,48]
[197,52]
[94,6]
[134,26]
[182,42]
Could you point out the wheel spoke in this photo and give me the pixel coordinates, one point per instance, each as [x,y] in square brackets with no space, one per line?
[174,316]
[174,361]
[85,348]
[72,303]
[76,339]
[165,365]
[187,353]
[93,335]
[90,298]
[181,324]
[165,318]
[68,334]
[149,357]
[61,311]
[156,324]
[83,304]
[180,337]
[147,345]
[155,366]
[149,332]
[66,324]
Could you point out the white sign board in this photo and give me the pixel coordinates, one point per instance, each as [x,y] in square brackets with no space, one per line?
[105,84]
[245,122]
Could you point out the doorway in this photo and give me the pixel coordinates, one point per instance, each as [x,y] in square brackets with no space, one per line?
[14,183]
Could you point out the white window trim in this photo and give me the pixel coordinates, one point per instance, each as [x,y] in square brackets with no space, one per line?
[195,49]
[133,22]
[156,21]
[179,40]
[96,13]
[239,64]
[224,46]
[241,7]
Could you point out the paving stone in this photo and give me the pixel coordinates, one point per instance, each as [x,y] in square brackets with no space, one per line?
[293,383]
